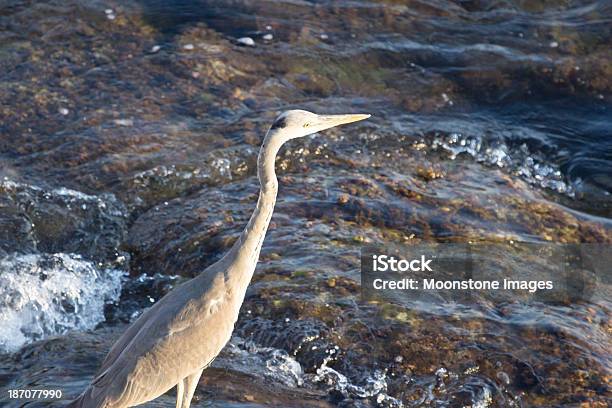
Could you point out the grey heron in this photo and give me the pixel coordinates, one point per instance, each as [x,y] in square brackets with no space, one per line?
[172,342]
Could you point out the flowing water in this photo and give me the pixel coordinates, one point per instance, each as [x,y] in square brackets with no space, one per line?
[128,139]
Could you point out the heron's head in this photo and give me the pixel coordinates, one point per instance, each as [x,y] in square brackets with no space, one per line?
[298,123]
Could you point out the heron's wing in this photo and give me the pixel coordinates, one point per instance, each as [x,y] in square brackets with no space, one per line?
[131,332]
[123,341]
[150,355]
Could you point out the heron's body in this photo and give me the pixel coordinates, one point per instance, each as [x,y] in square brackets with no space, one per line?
[171,343]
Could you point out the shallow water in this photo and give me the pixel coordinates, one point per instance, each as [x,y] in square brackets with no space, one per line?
[128,139]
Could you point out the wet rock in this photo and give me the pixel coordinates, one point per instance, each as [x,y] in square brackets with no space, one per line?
[60,220]
[137,295]
[305,340]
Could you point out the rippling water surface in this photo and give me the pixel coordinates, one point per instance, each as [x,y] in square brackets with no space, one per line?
[128,139]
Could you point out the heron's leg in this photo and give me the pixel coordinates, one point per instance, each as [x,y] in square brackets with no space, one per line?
[180,390]
[189,384]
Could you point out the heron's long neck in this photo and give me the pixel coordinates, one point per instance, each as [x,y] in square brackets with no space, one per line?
[246,249]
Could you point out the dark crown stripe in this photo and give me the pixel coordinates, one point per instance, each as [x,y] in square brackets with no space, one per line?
[279,123]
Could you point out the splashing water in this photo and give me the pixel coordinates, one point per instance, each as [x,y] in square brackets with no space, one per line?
[520,161]
[266,362]
[279,366]
[49,294]
[374,386]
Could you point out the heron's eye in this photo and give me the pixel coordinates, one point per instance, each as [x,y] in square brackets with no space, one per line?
[306,125]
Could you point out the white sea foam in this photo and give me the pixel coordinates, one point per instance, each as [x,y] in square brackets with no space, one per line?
[277,365]
[47,294]
[374,386]
[265,362]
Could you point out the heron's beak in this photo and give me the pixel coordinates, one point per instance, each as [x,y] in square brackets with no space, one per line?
[329,121]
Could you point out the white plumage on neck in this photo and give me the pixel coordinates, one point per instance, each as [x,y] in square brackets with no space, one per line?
[287,126]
